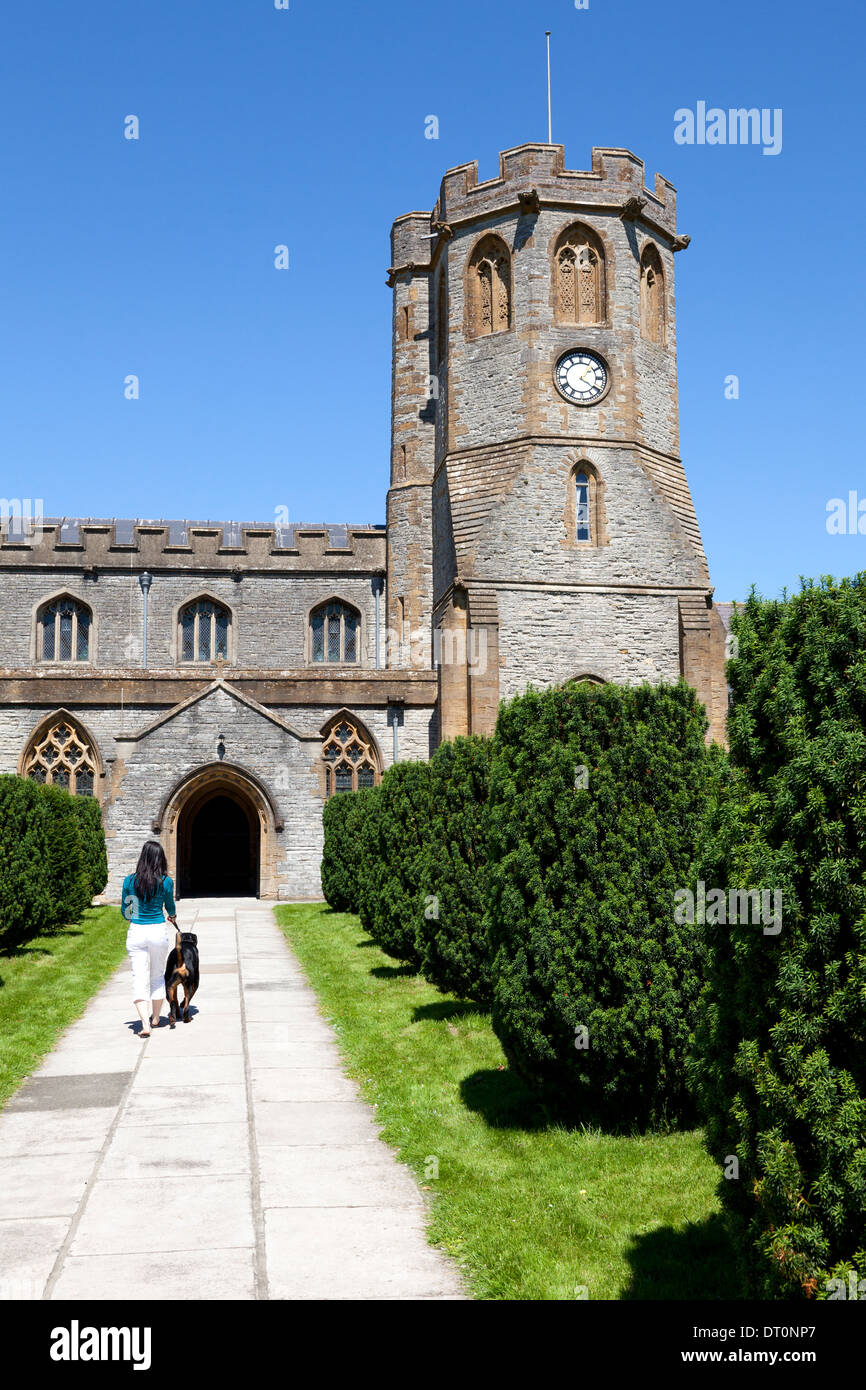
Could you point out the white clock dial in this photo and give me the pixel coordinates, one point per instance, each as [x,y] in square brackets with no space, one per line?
[581,377]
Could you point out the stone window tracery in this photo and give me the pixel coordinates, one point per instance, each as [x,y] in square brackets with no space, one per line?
[62,757]
[64,630]
[350,760]
[579,275]
[204,631]
[335,633]
[489,288]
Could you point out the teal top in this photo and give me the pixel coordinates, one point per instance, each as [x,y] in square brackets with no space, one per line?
[146,914]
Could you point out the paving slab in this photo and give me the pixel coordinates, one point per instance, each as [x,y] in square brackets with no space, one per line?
[322,1122]
[54,1132]
[216,1275]
[189,1105]
[79,1091]
[280,1084]
[28,1249]
[37,1185]
[333,1252]
[355,1175]
[158,1150]
[149,1216]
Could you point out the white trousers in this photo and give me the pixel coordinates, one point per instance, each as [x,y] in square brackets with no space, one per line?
[148,947]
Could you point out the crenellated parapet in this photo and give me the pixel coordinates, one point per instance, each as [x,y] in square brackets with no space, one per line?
[116,544]
[532,176]
[536,174]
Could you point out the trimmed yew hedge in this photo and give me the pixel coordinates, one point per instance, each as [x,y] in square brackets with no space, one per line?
[452,940]
[394,832]
[341,859]
[93,847]
[780,1053]
[52,859]
[596,799]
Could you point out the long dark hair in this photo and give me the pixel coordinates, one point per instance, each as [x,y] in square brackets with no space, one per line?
[150,870]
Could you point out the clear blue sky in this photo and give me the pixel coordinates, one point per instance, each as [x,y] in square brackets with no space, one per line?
[262,389]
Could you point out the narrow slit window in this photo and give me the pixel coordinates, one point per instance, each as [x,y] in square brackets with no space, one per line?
[582,519]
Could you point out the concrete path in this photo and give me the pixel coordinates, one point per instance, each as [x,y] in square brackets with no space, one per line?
[230,1158]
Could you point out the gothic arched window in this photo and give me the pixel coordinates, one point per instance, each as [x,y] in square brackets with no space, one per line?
[350,759]
[582,521]
[63,630]
[488,289]
[652,295]
[584,510]
[204,631]
[579,277]
[335,633]
[61,755]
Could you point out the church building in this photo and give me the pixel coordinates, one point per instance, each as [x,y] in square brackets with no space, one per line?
[213,685]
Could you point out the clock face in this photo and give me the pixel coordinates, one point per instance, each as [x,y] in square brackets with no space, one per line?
[581,377]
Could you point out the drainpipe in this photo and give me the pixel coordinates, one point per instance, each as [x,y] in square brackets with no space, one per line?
[378,586]
[145,580]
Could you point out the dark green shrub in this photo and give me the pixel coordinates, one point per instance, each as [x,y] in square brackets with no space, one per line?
[780,1052]
[452,940]
[342,819]
[64,858]
[25,896]
[393,834]
[595,984]
[93,850]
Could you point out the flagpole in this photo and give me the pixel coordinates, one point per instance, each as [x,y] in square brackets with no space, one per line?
[549,119]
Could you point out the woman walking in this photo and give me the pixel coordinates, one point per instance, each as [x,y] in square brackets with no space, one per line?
[145,894]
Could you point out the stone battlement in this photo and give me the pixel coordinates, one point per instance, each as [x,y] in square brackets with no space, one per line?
[113,543]
[535,174]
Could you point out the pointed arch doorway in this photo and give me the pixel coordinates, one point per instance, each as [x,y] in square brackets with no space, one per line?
[220,831]
[218,843]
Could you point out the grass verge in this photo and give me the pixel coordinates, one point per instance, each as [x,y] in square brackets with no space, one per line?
[45,984]
[530,1209]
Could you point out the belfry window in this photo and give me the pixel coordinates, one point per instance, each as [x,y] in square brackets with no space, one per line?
[334,633]
[204,631]
[64,631]
[62,757]
[489,288]
[350,761]
[652,299]
[579,277]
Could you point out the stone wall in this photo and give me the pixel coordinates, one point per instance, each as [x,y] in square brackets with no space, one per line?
[269,614]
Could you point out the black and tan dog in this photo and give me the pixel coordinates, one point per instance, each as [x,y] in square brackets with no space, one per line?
[181,968]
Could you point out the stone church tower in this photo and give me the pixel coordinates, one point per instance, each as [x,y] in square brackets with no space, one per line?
[214,684]
[539,518]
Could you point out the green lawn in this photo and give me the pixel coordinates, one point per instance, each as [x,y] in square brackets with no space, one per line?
[531,1210]
[45,984]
